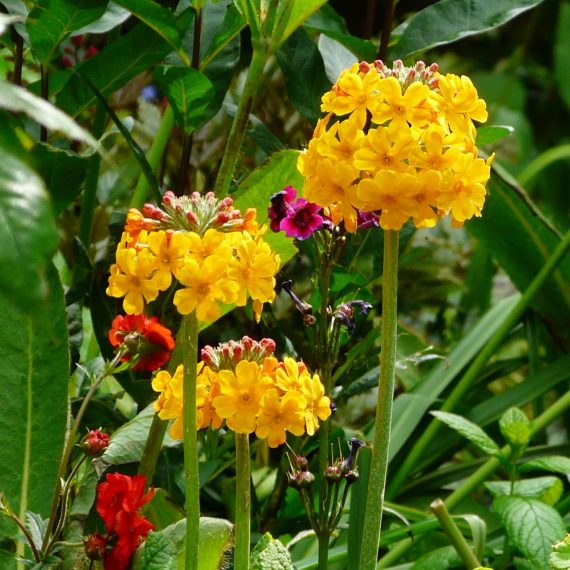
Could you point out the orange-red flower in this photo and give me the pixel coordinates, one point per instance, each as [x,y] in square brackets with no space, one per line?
[145,338]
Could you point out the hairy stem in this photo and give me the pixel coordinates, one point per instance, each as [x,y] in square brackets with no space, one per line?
[243,502]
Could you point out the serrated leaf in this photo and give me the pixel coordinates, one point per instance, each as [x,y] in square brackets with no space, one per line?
[468,430]
[37,527]
[127,443]
[493,134]
[553,464]
[28,233]
[34,368]
[270,553]
[447,21]
[50,22]
[515,427]
[548,489]
[189,92]
[19,100]
[531,525]
[559,559]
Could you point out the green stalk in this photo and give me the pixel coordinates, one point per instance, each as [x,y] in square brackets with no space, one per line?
[386,381]
[457,394]
[154,156]
[189,339]
[89,200]
[454,535]
[152,448]
[243,502]
[231,152]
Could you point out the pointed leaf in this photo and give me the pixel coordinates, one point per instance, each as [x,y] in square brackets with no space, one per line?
[493,134]
[114,16]
[294,13]
[447,21]
[552,463]
[515,427]
[468,430]
[531,525]
[336,57]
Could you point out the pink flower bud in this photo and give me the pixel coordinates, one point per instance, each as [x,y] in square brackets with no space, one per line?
[268,345]
[77,40]
[364,67]
[94,443]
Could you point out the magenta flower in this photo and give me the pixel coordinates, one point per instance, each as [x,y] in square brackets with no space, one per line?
[302,219]
[280,204]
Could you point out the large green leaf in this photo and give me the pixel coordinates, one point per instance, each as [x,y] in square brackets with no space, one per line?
[336,57]
[28,233]
[114,16]
[551,463]
[290,15]
[52,21]
[532,526]
[562,52]
[279,171]
[548,489]
[160,19]
[110,69]
[189,92]
[19,100]
[447,21]
[34,368]
[521,240]
[468,430]
[270,553]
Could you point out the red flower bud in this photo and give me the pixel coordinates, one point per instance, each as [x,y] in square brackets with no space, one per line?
[95,546]
[77,40]
[94,443]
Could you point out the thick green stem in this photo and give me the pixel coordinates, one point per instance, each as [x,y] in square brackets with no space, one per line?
[243,502]
[89,200]
[152,448]
[454,535]
[231,152]
[458,393]
[189,339]
[323,540]
[379,463]
[154,156]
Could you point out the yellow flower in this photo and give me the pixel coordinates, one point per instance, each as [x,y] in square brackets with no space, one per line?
[254,269]
[241,392]
[290,375]
[437,153]
[209,389]
[212,243]
[341,141]
[318,405]
[169,404]
[134,277]
[279,415]
[205,286]
[169,248]
[426,195]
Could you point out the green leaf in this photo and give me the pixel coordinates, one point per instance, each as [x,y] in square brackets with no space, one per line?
[468,430]
[37,527]
[493,134]
[270,553]
[521,240]
[52,21]
[160,19]
[478,529]
[559,559]
[164,550]
[515,427]
[552,463]
[304,73]
[255,191]
[63,173]
[409,408]
[189,92]
[127,443]
[548,489]
[34,368]
[28,233]
[335,56]
[6,21]
[438,559]
[531,525]
[114,16]
[447,21]
[19,100]
[291,14]
[562,52]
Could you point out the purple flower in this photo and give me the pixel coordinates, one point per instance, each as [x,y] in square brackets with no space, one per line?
[280,204]
[366,220]
[302,219]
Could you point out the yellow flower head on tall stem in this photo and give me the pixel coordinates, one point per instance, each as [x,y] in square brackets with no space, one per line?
[169,248]
[318,406]
[169,404]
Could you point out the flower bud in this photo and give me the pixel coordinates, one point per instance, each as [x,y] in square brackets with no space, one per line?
[95,546]
[351,477]
[94,443]
[333,473]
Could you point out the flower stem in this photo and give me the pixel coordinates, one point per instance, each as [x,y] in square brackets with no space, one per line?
[454,535]
[189,338]
[243,502]
[252,83]
[386,381]
[152,448]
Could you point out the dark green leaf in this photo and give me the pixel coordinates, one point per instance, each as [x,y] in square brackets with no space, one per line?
[335,56]
[553,464]
[468,430]
[34,368]
[447,21]
[52,21]
[562,52]
[438,559]
[521,240]
[63,173]
[515,427]
[114,16]
[160,19]
[547,489]
[492,134]
[531,525]
[189,92]
[304,73]
[28,233]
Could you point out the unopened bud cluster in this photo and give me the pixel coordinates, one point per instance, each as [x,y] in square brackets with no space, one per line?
[227,354]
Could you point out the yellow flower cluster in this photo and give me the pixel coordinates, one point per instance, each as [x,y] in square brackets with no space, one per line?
[269,398]
[218,261]
[397,141]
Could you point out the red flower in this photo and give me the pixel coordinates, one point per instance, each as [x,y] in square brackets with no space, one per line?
[119,499]
[144,337]
[95,546]
[94,443]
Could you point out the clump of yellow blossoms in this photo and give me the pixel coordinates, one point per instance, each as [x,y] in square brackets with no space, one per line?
[245,385]
[397,141]
[214,253]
